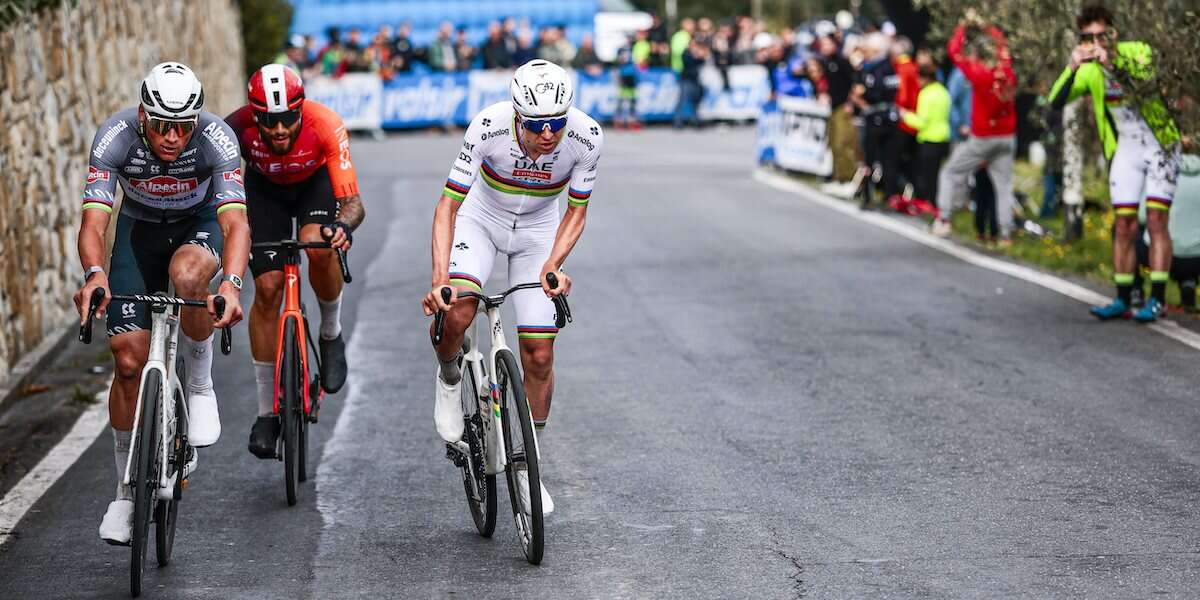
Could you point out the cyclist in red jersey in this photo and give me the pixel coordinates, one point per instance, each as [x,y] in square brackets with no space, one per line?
[298,157]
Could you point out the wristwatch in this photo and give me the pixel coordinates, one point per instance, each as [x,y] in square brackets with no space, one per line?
[234,279]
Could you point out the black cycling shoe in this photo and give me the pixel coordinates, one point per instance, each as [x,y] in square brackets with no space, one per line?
[333,364]
[263,435]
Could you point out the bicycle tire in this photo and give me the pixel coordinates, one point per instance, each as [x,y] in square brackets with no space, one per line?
[302,445]
[520,449]
[291,401]
[166,512]
[145,477]
[478,486]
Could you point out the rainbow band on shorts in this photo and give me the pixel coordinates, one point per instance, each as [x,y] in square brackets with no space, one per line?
[536,332]
[466,281]
[1125,210]
[1157,203]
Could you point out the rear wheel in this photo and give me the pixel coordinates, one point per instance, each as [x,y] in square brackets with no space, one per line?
[479,487]
[291,408]
[520,448]
[166,512]
[144,479]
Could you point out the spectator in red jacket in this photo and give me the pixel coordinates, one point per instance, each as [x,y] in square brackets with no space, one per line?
[981,52]
[904,143]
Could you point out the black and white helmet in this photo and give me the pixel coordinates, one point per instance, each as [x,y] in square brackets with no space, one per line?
[541,89]
[172,91]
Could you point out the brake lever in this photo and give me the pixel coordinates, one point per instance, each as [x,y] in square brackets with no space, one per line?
[85,330]
[226,337]
[562,311]
[345,266]
[439,318]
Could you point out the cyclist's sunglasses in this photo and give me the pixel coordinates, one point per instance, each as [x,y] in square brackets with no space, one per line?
[539,125]
[164,126]
[269,120]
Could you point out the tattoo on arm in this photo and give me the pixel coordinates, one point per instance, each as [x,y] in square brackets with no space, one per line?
[351,211]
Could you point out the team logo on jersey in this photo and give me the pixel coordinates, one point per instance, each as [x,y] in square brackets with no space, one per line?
[164,186]
[529,169]
[95,175]
[234,176]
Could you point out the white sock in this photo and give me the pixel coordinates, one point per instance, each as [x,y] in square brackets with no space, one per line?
[264,376]
[197,357]
[331,317]
[121,443]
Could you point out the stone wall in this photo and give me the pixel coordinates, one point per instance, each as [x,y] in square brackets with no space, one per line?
[62,72]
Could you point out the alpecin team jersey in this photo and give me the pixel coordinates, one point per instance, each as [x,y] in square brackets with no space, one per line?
[494,178]
[207,173]
[323,141]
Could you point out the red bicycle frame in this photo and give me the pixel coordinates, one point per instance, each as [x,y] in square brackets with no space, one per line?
[291,310]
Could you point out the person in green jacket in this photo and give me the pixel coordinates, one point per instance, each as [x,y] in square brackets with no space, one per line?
[932,123]
[1141,142]
[679,43]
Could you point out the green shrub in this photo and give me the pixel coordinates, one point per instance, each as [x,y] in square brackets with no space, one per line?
[265,26]
[11,10]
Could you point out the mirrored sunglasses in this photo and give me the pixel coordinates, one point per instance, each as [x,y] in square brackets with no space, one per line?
[164,126]
[539,125]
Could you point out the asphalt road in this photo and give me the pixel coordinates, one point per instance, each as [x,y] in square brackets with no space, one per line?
[759,398]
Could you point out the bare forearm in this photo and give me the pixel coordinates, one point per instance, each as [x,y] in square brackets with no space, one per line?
[351,211]
[443,235]
[91,239]
[236,251]
[569,232]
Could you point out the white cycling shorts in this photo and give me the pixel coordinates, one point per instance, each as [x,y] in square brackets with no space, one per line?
[477,241]
[1142,170]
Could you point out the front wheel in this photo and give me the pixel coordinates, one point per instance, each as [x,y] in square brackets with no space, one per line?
[520,448]
[166,512]
[291,415]
[479,487]
[144,479]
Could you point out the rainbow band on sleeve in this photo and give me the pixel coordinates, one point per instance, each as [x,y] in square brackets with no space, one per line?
[99,206]
[500,183]
[455,190]
[536,332]
[577,197]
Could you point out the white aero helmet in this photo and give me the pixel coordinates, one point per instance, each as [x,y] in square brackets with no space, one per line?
[171,91]
[541,89]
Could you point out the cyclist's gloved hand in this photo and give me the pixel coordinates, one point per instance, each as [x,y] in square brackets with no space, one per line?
[338,234]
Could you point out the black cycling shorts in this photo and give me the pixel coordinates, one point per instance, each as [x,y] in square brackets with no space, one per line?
[141,259]
[271,207]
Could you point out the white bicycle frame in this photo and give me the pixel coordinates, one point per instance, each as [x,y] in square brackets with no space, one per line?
[164,333]
[489,395]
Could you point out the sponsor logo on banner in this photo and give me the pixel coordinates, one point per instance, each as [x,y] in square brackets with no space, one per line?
[164,186]
[95,175]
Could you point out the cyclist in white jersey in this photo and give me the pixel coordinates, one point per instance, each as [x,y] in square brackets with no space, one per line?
[502,197]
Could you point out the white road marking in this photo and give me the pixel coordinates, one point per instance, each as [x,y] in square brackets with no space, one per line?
[26,492]
[1057,284]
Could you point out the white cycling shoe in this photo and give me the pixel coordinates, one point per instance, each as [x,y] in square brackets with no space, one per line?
[117,526]
[447,410]
[204,421]
[523,486]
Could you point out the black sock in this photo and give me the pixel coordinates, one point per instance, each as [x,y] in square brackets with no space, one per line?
[1125,293]
[1158,291]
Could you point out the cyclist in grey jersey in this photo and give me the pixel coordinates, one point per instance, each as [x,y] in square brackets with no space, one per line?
[182,216]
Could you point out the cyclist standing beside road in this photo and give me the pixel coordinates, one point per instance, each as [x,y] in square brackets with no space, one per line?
[1141,144]
[519,152]
[298,152]
[183,216]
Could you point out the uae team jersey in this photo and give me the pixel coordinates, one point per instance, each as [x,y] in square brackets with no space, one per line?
[323,141]
[208,172]
[494,178]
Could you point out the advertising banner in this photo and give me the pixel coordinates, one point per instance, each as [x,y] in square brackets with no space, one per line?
[792,134]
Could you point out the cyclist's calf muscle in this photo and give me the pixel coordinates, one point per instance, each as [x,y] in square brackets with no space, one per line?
[130,352]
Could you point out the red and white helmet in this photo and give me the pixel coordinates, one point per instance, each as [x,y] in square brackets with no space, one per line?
[275,89]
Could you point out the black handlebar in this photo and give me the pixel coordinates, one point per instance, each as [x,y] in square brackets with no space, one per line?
[85,330]
[294,246]
[562,310]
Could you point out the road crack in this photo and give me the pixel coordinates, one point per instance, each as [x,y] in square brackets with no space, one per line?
[797,577]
